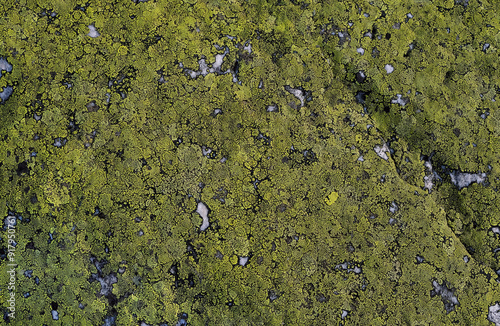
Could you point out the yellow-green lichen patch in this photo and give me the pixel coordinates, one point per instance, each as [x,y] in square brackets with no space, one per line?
[252,162]
[332,198]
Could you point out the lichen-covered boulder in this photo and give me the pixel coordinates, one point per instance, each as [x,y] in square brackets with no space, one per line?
[250,162]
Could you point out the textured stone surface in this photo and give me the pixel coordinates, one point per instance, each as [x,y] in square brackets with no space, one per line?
[198,162]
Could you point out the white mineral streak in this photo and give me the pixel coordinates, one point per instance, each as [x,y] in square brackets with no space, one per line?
[93,31]
[464,179]
[382,151]
[494,314]
[202,209]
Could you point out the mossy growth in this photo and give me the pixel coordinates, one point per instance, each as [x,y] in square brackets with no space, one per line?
[269,113]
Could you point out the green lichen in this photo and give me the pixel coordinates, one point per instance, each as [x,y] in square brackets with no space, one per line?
[324,231]
[332,198]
